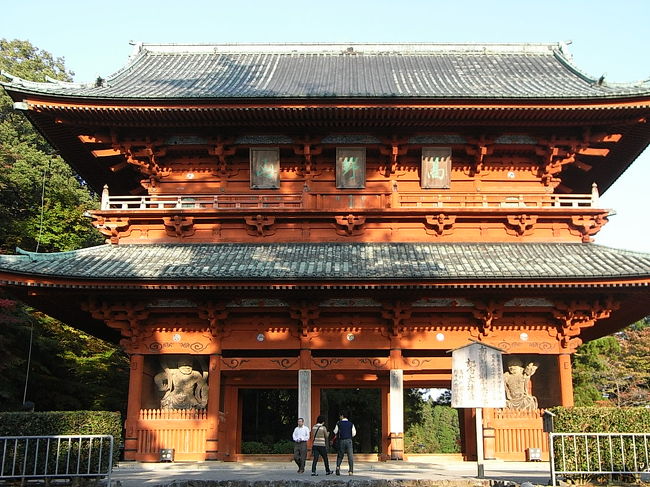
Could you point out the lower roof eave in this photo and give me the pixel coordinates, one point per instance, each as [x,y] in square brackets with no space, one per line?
[149,285]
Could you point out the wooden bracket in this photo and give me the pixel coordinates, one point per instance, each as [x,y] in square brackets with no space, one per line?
[112,228]
[486,314]
[441,224]
[393,150]
[260,225]
[588,225]
[222,152]
[179,226]
[125,317]
[306,314]
[396,313]
[576,315]
[216,314]
[521,224]
[350,225]
[308,150]
[478,149]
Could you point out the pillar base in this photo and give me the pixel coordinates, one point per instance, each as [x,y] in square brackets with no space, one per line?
[396,446]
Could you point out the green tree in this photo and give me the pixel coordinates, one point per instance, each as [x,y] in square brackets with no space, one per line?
[42,201]
[68,369]
[614,370]
[438,431]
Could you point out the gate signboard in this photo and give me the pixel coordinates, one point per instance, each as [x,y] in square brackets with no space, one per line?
[477,382]
[477,377]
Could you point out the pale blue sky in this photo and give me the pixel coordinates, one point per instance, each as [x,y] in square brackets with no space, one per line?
[611,38]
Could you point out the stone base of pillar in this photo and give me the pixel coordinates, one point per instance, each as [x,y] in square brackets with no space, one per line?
[397,446]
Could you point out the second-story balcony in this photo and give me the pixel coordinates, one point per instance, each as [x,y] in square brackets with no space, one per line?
[350,200]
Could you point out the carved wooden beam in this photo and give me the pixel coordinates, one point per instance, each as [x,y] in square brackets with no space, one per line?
[521,224]
[395,148]
[112,227]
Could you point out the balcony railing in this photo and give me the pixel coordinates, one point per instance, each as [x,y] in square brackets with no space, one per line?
[339,200]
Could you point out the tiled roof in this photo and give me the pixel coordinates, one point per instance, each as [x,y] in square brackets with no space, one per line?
[433,71]
[334,262]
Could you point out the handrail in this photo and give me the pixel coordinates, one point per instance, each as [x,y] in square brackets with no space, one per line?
[328,200]
[598,454]
[56,457]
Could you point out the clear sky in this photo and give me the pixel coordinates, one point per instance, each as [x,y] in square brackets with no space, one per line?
[611,38]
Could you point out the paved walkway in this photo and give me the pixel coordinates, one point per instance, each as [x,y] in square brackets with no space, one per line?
[463,473]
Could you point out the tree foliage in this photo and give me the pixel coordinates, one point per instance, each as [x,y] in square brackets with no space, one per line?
[436,429]
[614,370]
[69,369]
[42,201]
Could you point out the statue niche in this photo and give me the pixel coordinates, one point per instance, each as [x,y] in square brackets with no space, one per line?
[183,387]
[518,387]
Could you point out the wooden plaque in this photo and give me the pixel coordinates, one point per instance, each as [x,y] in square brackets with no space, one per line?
[265,168]
[350,167]
[436,167]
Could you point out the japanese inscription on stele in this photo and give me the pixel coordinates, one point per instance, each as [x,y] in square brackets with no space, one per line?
[477,377]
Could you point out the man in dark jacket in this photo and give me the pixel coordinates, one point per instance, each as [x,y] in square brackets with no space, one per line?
[345,431]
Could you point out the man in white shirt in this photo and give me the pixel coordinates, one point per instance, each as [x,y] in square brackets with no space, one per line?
[300,439]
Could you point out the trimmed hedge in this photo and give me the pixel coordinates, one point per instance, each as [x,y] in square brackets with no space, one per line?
[601,420]
[64,423]
[616,454]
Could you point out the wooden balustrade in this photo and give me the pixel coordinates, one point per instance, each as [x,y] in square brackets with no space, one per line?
[517,430]
[153,414]
[336,200]
[184,430]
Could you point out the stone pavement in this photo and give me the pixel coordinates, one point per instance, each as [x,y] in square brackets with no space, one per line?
[453,473]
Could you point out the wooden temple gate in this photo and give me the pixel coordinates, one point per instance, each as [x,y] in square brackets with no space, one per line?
[275,229]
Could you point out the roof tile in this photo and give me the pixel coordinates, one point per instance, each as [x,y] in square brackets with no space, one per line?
[303,262]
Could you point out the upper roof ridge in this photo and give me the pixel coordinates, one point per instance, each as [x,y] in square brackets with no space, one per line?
[348,48]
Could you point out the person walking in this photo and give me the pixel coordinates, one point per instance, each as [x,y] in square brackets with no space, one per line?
[319,446]
[300,439]
[345,431]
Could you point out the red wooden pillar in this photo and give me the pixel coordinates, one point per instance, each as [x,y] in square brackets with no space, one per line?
[384,452]
[133,407]
[231,413]
[566,379]
[214,388]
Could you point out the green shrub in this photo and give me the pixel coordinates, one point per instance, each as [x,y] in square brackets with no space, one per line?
[437,432]
[283,446]
[617,453]
[63,423]
[254,448]
[601,420]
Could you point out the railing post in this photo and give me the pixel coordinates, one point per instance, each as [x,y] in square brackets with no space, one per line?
[105,198]
[551,458]
[594,195]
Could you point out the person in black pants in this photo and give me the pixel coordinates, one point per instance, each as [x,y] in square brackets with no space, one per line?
[300,439]
[320,435]
[345,431]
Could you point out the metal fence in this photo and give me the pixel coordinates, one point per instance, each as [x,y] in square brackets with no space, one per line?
[56,457]
[611,454]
